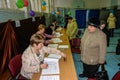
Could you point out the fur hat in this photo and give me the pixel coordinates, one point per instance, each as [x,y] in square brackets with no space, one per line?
[94,22]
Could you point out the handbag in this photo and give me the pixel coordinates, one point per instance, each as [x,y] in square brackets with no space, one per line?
[102,73]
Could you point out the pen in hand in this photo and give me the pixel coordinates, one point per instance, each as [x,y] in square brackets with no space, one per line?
[64,59]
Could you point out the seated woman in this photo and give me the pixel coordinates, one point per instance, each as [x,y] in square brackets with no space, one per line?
[33,56]
[50,29]
[47,37]
[55,25]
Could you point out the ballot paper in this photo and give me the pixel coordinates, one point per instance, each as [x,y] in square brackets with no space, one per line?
[56,40]
[56,56]
[59,29]
[53,45]
[53,66]
[58,34]
[53,77]
[63,46]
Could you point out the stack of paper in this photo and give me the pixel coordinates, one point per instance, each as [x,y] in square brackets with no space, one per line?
[53,45]
[56,56]
[56,40]
[58,34]
[63,46]
[54,77]
[58,29]
[53,66]
[52,72]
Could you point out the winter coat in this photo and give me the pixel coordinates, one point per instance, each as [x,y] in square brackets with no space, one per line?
[111,21]
[72,28]
[93,47]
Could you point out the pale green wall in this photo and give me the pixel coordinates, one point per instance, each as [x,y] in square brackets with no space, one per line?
[7,14]
[71,5]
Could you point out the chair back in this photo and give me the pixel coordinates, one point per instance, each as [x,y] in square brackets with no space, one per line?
[15,65]
[75,42]
[116,76]
[75,45]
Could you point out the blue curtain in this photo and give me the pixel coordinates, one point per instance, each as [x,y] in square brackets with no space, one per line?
[81,18]
[94,13]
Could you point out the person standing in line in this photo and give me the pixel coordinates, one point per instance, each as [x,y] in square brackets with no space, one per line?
[93,49]
[111,24]
[72,28]
[105,30]
[33,56]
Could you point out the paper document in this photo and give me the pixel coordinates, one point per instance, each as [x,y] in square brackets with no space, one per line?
[17,23]
[58,34]
[59,29]
[53,66]
[63,46]
[56,56]
[53,45]
[54,77]
[56,40]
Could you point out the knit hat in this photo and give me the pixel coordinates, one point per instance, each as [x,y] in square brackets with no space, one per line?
[94,22]
[70,18]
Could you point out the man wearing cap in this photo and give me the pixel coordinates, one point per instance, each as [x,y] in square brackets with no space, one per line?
[93,48]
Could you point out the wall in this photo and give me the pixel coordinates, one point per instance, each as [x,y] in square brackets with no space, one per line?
[85,4]
[92,4]
[64,3]
[119,2]
[6,14]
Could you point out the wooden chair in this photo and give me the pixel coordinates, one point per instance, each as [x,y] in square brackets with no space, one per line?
[116,76]
[14,66]
[75,45]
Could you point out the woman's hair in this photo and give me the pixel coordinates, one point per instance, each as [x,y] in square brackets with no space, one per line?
[70,18]
[36,38]
[118,40]
[54,20]
[50,25]
[41,26]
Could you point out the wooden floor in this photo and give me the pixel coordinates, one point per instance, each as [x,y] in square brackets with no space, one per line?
[5,75]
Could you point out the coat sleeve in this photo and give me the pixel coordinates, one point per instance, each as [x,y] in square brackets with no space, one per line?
[103,46]
[74,30]
[51,50]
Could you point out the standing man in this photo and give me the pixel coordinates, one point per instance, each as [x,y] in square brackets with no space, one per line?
[72,28]
[93,48]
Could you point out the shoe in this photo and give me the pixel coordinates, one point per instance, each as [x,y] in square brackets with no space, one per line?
[105,62]
[118,64]
[82,75]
